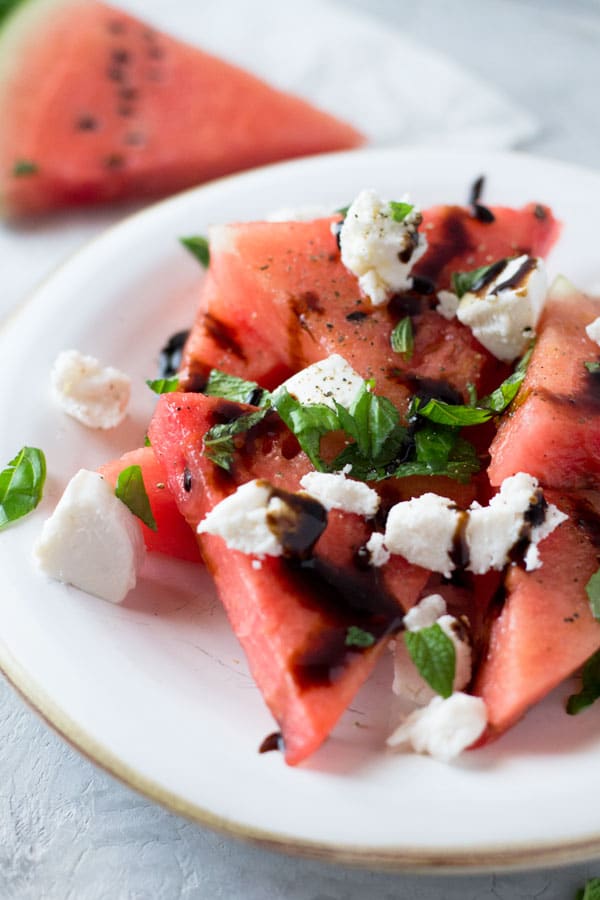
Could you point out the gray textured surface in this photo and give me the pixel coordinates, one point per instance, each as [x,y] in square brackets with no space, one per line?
[70,832]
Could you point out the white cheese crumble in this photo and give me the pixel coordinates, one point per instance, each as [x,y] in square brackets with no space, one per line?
[492,531]
[422,531]
[335,491]
[447,304]
[241,520]
[408,682]
[504,312]
[328,381]
[95,395]
[593,331]
[443,728]
[376,248]
[379,554]
[92,540]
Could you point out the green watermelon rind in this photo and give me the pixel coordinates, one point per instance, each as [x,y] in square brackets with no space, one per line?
[7,7]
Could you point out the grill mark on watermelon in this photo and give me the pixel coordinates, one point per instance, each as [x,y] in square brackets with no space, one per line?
[223,336]
[452,242]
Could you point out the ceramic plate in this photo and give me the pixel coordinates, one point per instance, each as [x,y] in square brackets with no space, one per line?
[157,690]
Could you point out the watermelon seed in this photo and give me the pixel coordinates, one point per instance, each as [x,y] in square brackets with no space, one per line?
[134,139]
[116,27]
[128,93]
[86,123]
[114,161]
[125,110]
[120,56]
[156,52]
[115,73]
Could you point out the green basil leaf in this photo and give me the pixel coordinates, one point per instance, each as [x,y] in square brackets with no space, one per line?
[307,422]
[218,444]
[434,655]
[472,392]
[147,442]
[163,385]
[198,247]
[591,891]
[590,686]
[450,414]
[592,367]
[24,167]
[357,637]
[592,589]
[400,210]
[131,490]
[229,387]
[402,338]
[463,282]
[342,211]
[21,484]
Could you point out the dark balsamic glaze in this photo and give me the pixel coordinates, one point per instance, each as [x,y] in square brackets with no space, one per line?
[479,211]
[357,316]
[488,276]
[223,335]
[299,524]
[169,359]
[336,229]
[540,212]
[272,741]
[187,480]
[423,286]
[433,389]
[460,549]
[452,241]
[515,280]
[409,304]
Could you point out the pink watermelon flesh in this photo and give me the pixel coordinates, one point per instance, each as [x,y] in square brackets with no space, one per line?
[291,620]
[554,430]
[99,106]
[173,536]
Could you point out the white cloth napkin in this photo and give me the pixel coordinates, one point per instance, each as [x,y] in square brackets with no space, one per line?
[394,90]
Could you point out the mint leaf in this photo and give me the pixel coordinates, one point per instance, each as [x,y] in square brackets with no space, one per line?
[21,484]
[307,423]
[592,367]
[400,211]
[592,589]
[218,444]
[402,338]
[371,421]
[434,655]
[590,686]
[591,891]
[450,414]
[220,384]
[24,167]
[163,385]
[131,490]
[357,637]
[463,282]
[198,247]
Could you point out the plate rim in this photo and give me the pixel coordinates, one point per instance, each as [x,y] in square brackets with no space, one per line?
[507,857]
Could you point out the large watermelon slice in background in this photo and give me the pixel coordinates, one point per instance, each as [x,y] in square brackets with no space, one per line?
[96,105]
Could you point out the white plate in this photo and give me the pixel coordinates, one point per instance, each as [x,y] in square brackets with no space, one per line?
[158,691]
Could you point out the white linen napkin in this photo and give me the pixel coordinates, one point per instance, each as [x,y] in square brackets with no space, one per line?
[391,88]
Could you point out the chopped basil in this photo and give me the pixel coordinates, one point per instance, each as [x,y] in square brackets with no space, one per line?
[229,387]
[131,490]
[472,392]
[163,385]
[24,167]
[198,247]
[402,338]
[590,686]
[343,211]
[592,367]
[591,891]
[434,655]
[592,589]
[21,484]
[219,445]
[463,282]
[450,414]
[505,393]
[357,637]
[307,423]
[147,442]
[400,211]
[371,421]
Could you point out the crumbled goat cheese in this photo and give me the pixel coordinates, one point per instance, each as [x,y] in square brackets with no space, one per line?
[408,682]
[95,395]
[447,305]
[380,251]
[422,531]
[329,381]
[299,213]
[593,331]
[493,530]
[503,313]
[379,554]
[443,728]
[242,520]
[92,540]
[335,491]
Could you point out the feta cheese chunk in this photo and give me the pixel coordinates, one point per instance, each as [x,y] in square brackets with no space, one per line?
[95,395]
[329,381]
[593,331]
[504,311]
[379,554]
[492,531]
[92,540]
[241,520]
[379,250]
[443,728]
[447,304]
[422,531]
[425,613]
[335,491]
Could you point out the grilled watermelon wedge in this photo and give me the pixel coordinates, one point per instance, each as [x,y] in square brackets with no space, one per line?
[99,106]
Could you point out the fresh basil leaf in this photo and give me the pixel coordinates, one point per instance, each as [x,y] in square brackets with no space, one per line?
[21,484]
[131,490]
[357,637]
[402,338]
[400,210]
[342,211]
[147,442]
[229,387]
[591,891]
[307,422]
[24,167]
[434,655]
[450,414]
[163,385]
[198,247]
[371,420]
[472,392]
[463,282]
[433,445]
[592,589]
[218,444]
[590,686]
[592,367]
[505,393]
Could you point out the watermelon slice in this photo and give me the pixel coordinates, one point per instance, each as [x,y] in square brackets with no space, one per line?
[554,431]
[292,621]
[99,106]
